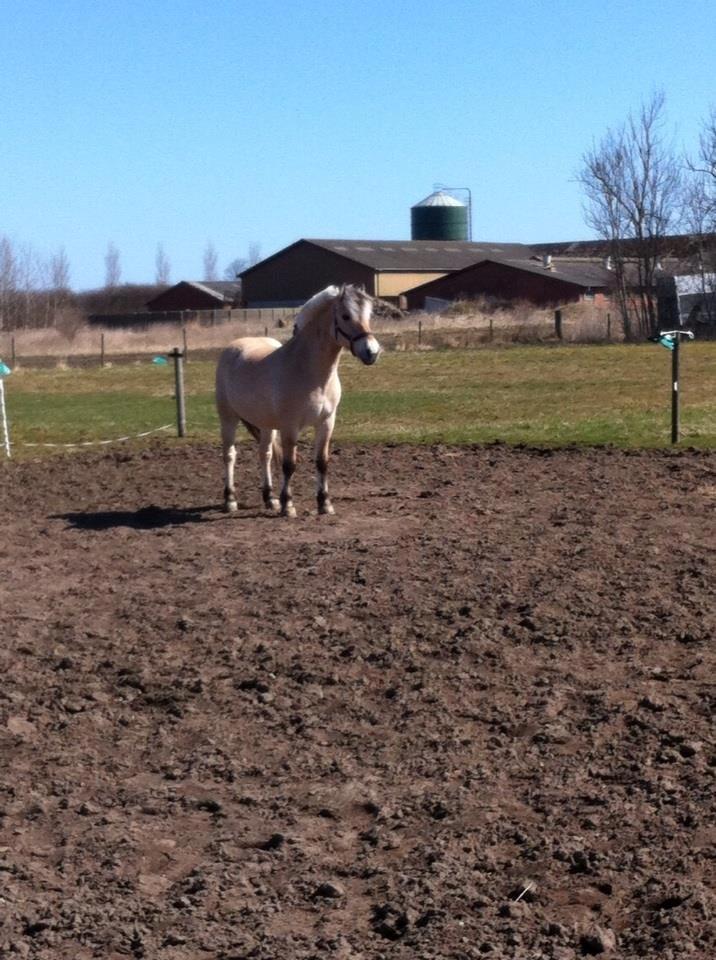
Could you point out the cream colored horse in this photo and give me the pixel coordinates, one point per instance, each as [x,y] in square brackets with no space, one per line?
[272,388]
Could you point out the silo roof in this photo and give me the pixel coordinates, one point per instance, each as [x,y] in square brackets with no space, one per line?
[439,199]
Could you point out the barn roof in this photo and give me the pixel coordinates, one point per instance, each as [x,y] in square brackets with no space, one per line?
[585,274]
[227,289]
[409,255]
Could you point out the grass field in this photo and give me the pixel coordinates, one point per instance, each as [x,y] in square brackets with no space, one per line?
[552,395]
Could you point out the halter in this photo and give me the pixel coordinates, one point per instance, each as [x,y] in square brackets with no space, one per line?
[346,336]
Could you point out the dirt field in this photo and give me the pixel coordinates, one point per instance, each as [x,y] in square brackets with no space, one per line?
[470,716]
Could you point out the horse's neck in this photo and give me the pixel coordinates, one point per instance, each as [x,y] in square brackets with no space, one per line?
[316,346]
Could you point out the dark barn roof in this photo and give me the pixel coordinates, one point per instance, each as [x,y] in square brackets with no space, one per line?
[406,256]
[585,274]
[220,291]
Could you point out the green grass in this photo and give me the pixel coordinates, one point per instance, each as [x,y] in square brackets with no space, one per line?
[543,395]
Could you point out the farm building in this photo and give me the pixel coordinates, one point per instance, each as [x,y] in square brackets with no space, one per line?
[688,301]
[544,281]
[386,268]
[197,295]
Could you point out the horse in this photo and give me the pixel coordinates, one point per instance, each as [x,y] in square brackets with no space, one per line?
[283,388]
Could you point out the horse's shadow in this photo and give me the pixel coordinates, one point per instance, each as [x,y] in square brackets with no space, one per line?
[146,518]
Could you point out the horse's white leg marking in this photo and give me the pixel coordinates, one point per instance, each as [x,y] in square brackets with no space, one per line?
[228,436]
[288,443]
[321,455]
[266,443]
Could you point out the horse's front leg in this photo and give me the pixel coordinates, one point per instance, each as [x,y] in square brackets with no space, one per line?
[323,438]
[288,444]
[228,437]
[266,442]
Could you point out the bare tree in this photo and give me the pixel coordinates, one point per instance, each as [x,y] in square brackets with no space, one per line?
[632,183]
[239,264]
[60,271]
[211,260]
[700,213]
[8,285]
[162,267]
[254,253]
[112,267]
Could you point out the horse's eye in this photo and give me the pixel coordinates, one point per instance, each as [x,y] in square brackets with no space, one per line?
[347,317]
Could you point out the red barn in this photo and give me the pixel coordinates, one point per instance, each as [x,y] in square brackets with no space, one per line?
[544,281]
[197,295]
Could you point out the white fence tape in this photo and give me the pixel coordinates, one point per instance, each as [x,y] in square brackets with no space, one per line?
[94,443]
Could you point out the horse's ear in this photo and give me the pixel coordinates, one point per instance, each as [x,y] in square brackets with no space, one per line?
[341,290]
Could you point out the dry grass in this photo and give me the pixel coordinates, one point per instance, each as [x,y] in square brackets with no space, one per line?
[464,324]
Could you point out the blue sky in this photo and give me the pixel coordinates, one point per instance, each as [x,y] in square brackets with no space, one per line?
[234,122]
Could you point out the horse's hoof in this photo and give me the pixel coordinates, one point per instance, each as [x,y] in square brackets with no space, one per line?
[231,506]
[326,509]
[273,506]
[288,511]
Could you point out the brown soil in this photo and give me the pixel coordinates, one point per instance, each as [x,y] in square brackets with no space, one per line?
[470,716]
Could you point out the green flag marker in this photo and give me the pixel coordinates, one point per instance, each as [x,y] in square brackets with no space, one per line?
[4,369]
[160,360]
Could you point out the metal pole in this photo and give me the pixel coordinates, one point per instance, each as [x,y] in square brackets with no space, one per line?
[183,335]
[420,332]
[675,391]
[5,431]
[101,350]
[12,350]
[178,357]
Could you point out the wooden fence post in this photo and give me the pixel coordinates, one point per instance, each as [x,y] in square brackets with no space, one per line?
[12,349]
[177,356]
[101,350]
[420,332]
[183,335]
[558,323]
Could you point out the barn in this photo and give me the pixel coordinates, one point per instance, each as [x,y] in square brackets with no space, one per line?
[197,295]
[386,268]
[544,281]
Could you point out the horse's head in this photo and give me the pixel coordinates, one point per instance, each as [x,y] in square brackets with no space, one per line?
[352,309]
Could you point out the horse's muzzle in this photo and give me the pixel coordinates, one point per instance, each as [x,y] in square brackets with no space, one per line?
[367,349]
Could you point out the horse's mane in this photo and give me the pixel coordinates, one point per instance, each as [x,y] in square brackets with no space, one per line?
[313,307]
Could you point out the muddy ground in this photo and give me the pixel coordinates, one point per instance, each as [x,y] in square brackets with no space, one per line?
[470,716]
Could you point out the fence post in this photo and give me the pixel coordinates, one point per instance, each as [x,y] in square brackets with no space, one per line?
[183,336]
[178,357]
[101,350]
[558,323]
[492,328]
[3,417]
[420,332]
[609,326]
[675,391]
[12,349]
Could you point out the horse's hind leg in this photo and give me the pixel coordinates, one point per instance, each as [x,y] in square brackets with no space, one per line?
[323,439]
[288,464]
[228,437]
[266,443]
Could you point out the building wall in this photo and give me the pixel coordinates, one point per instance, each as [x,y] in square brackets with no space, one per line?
[391,285]
[503,283]
[295,274]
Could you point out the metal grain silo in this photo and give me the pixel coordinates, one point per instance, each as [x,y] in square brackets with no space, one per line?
[439,217]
